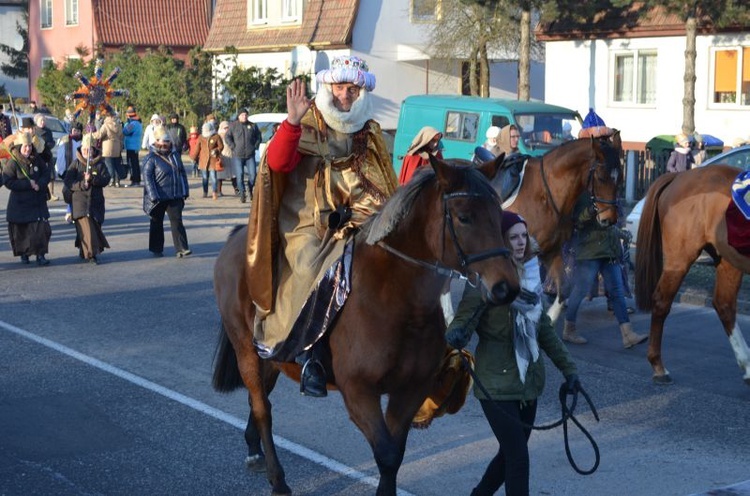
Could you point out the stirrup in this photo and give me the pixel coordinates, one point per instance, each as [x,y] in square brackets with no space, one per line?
[312,380]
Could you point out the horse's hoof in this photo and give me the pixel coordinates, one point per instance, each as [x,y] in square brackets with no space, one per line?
[256,463]
[662,380]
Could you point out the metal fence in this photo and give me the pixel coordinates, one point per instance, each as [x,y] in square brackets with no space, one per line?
[641,170]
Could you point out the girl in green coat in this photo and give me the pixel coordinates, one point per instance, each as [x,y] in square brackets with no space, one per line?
[508,363]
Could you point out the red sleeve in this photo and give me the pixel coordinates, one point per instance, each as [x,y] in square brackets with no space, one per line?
[409,166]
[282,154]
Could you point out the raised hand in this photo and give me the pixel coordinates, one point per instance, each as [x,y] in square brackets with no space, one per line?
[297,103]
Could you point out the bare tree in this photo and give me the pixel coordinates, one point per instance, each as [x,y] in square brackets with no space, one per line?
[473,31]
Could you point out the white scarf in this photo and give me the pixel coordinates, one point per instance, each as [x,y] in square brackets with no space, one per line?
[526,320]
[344,122]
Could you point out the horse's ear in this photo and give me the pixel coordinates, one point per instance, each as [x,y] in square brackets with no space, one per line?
[449,177]
[489,169]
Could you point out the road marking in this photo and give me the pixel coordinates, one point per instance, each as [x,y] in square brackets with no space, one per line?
[281,442]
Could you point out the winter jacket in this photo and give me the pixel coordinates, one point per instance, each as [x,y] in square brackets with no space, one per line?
[24,204]
[680,160]
[207,152]
[112,138]
[164,179]
[87,201]
[243,139]
[495,354]
[179,137]
[133,131]
[594,241]
[66,153]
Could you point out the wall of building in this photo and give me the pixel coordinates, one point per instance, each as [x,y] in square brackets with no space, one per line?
[60,41]
[579,76]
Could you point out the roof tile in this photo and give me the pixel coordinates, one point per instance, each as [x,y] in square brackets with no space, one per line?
[324,23]
[148,23]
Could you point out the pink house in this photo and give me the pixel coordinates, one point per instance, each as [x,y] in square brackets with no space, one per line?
[57,27]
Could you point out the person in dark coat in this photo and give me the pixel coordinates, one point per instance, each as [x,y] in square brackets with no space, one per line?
[179,136]
[165,190]
[26,175]
[5,129]
[45,134]
[243,138]
[86,179]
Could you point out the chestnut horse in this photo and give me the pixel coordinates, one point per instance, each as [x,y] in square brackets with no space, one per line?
[684,215]
[388,338]
[551,186]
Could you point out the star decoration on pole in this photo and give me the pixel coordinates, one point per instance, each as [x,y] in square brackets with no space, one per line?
[95,94]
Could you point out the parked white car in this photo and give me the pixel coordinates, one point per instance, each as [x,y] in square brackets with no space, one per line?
[53,123]
[737,157]
[265,123]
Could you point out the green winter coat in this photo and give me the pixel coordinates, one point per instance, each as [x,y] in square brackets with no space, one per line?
[594,241]
[495,355]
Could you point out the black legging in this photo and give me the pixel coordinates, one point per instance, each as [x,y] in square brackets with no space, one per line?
[511,464]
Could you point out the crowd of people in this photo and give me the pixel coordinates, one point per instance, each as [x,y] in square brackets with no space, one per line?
[90,158]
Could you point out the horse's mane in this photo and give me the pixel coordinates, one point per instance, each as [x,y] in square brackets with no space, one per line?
[400,204]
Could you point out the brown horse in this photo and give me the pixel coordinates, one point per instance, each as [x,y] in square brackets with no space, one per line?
[552,185]
[389,337]
[684,215]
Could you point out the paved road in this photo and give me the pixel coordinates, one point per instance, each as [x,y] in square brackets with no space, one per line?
[105,390]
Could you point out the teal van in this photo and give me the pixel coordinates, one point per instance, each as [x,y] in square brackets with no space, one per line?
[464,120]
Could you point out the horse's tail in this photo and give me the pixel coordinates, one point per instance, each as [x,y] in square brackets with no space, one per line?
[226,377]
[649,262]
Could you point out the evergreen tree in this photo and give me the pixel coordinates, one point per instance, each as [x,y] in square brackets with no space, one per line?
[18,66]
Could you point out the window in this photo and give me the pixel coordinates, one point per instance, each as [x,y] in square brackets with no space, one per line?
[635,77]
[461,126]
[259,11]
[71,12]
[47,62]
[425,10]
[731,76]
[45,13]
[291,10]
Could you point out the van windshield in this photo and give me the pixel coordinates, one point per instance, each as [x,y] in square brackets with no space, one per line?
[546,131]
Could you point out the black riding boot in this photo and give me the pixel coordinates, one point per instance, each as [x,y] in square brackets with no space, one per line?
[313,379]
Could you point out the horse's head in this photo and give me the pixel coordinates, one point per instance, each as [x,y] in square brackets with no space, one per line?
[605,177]
[471,239]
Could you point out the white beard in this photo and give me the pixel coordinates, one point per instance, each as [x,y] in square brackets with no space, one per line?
[344,122]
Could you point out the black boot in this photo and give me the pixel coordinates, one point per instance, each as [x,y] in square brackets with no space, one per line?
[313,378]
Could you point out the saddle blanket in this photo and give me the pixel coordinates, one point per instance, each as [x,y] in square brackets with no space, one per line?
[738,215]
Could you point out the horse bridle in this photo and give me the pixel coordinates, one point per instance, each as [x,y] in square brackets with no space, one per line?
[590,187]
[464,260]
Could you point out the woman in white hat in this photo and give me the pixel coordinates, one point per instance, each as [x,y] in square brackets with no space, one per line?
[148,134]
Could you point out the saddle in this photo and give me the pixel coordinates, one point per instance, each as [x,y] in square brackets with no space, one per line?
[450,389]
[511,174]
[322,306]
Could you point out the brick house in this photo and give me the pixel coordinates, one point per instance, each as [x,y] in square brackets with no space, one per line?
[58,27]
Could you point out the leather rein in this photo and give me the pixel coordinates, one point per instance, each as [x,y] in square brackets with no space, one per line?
[590,187]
